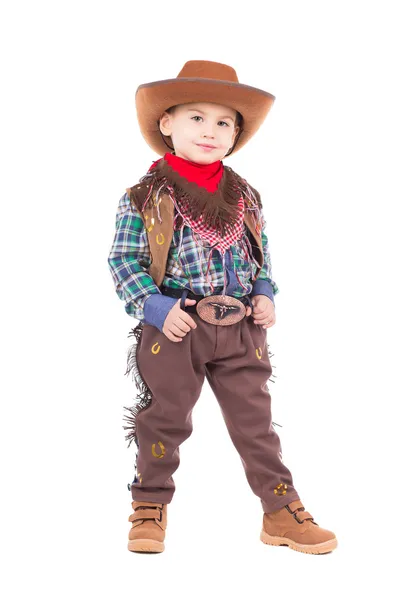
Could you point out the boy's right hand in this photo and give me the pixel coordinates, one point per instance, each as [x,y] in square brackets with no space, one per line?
[177,322]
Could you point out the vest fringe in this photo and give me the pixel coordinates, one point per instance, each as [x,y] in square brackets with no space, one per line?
[250,250]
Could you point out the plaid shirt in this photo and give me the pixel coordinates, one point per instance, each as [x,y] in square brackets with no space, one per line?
[130,257]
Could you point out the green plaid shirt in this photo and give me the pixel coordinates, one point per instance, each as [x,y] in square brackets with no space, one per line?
[129,260]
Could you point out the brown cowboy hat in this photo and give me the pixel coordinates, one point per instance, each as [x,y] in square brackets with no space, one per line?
[202,81]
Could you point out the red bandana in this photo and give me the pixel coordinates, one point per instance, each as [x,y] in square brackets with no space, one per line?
[207,176]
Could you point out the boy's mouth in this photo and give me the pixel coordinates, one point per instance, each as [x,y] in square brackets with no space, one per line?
[206,146]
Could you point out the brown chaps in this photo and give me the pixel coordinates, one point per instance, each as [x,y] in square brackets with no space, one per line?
[236,362]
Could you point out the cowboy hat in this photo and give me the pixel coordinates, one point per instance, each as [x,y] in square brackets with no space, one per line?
[202,81]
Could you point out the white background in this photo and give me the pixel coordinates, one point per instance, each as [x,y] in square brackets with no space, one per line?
[326,162]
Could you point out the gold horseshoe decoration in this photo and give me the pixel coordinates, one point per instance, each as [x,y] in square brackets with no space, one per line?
[280,489]
[140,477]
[161,237]
[258,352]
[153,450]
[153,348]
[152,223]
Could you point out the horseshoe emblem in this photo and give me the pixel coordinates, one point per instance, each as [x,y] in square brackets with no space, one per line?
[153,450]
[160,236]
[152,223]
[280,489]
[154,349]
[258,352]
[140,478]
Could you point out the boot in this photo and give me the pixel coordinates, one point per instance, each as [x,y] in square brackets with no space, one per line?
[149,521]
[293,526]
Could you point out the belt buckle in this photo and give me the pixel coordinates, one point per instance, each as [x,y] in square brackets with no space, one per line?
[221,310]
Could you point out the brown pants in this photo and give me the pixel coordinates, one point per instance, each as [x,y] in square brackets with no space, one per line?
[235,360]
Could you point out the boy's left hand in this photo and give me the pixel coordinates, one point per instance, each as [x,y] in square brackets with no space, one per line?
[263,311]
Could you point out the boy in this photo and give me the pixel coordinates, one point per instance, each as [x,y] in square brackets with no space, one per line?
[191,260]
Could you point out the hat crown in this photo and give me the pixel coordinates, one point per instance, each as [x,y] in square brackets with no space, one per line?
[208,69]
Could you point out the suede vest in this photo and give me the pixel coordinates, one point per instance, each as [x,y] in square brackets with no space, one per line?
[160,235]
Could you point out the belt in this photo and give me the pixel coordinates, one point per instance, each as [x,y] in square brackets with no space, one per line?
[216,309]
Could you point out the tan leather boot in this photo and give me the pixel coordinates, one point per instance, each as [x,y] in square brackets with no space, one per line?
[149,521]
[293,526]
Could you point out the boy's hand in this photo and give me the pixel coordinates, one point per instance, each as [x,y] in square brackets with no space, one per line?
[263,311]
[177,322]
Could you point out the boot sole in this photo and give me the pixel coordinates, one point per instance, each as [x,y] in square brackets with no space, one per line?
[321,548]
[143,545]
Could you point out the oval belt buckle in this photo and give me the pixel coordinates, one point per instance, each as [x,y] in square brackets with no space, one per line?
[221,310]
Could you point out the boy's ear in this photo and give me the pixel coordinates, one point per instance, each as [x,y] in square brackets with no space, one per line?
[236,131]
[165,123]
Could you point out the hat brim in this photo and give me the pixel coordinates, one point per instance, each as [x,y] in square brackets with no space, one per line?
[152,99]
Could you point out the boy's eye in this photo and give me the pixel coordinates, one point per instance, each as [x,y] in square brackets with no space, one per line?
[198,117]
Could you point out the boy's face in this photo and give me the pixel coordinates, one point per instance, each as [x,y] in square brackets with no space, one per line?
[198,123]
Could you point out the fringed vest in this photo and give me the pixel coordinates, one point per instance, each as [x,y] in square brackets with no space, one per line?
[157,193]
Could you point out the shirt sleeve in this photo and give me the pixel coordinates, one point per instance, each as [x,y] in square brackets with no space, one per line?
[128,260]
[264,284]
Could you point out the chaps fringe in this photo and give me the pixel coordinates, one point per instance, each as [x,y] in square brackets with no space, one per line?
[144,395]
[273,376]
